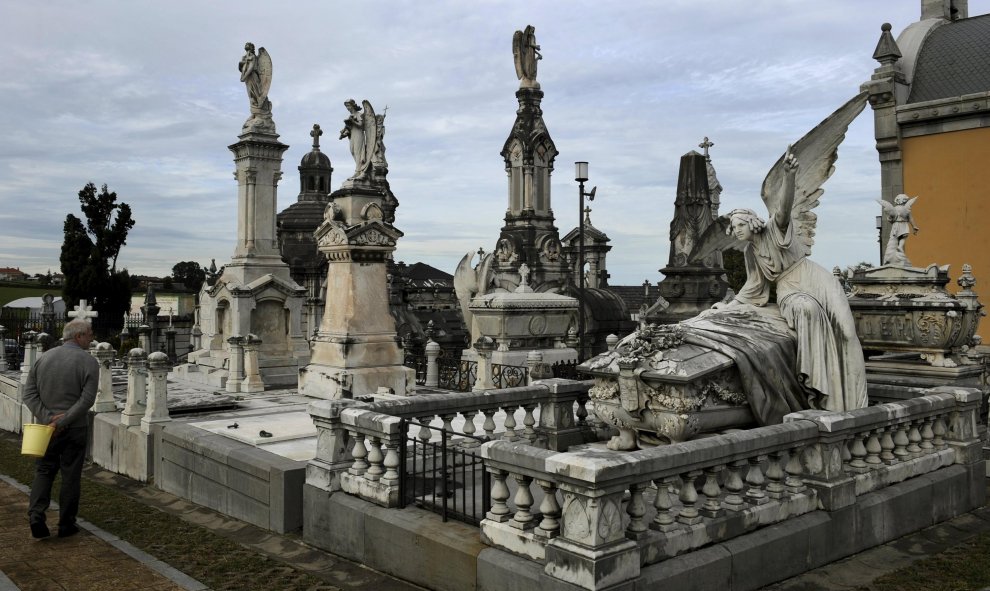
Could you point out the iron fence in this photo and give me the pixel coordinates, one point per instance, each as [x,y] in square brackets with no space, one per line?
[509,376]
[457,374]
[567,370]
[443,476]
[418,363]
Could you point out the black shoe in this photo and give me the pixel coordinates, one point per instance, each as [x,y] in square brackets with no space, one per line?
[65,531]
[40,530]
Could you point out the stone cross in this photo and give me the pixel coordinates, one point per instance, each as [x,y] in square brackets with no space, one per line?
[587,214]
[83,311]
[704,145]
[315,134]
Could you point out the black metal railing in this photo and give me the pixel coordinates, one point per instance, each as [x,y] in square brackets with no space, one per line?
[457,375]
[566,370]
[443,476]
[509,376]
[418,363]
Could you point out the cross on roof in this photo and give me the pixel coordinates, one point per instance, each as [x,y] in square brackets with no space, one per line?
[587,214]
[704,145]
[83,311]
[315,134]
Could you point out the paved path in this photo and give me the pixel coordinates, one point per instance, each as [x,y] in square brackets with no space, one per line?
[91,560]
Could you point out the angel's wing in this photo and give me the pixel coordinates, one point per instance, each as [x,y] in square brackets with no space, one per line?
[264,70]
[888,208]
[911,202]
[714,238]
[517,52]
[370,131]
[816,153]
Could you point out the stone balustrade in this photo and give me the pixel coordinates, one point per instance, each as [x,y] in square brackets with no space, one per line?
[594,518]
[559,404]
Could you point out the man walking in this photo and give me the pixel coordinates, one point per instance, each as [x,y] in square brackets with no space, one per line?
[61,388]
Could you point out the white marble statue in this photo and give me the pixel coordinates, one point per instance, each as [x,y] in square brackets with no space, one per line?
[830,363]
[901,225]
[526,54]
[363,130]
[256,74]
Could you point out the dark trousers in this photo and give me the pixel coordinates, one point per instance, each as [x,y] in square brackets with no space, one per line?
[66,452]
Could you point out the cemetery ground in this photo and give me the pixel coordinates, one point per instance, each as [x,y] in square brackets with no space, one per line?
[225,554]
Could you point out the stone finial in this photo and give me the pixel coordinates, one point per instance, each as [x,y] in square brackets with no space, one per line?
[611,341]
[966,281]
[587,214]
[887,51]
[524,279]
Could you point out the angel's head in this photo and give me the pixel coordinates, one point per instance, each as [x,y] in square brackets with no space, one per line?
[900,199]
[352,106]
[744,224]
[249,47]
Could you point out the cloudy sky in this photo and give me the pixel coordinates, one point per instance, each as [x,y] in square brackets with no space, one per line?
[145,97]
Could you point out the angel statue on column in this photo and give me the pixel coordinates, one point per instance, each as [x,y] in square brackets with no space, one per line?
[829,362]
[256,74]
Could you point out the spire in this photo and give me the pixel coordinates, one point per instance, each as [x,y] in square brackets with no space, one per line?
[887,51]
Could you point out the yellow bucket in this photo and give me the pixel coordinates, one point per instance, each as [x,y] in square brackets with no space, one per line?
[36,438]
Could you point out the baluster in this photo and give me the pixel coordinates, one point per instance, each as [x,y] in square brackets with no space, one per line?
[550,525]
[391,475]
[794,470]
[873,449]
[523,519]
[901,442]
[425,433]
[359,452]
[489,424]
[375,459]
[448,422]
[469,430]
[858,451]
[529,433]
[887,446]
[500,495]
[689,498]
[510,424]
[845,454]
[939,431]
[664,519]
[637,511]
[914,438]
[775,477]
[582,411]
[927,435]
[754,481]
[734,485]
[712,507]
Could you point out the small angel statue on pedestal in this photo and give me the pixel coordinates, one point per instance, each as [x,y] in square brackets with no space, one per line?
[901,225]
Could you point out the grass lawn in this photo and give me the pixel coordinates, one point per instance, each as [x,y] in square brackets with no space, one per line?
[212,559]
[9,293]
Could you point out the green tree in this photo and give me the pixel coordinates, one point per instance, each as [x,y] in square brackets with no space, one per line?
[190,274]
[89,256]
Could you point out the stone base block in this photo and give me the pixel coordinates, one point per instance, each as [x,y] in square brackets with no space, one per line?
[590,569]
[121,448]
[332,383]
[505,536]
[13,414]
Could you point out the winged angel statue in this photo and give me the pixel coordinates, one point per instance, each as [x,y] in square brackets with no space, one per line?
[829,364]
[256,74]
[363,130]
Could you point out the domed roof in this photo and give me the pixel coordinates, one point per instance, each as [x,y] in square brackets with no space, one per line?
[954,60]
[315,159]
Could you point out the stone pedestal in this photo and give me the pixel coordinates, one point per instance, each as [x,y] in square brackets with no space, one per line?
[356,350]
[137,388]
[104,395]
[255,294]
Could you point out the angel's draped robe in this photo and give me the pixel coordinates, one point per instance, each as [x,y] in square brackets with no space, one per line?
[830,362]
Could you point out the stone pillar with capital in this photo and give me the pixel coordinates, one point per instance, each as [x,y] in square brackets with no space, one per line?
[484,346]
[235,371]
[252,373]
[104,394]
[157,408]
[137,388]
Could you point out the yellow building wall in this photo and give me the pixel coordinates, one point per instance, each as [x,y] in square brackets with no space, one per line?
[950,175]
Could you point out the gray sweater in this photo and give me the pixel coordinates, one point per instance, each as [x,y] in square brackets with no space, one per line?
[64,379]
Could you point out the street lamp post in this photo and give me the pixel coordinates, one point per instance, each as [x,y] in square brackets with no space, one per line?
[581,175]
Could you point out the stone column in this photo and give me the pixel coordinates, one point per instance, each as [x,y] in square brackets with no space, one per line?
[157,409]
[432,368]
[252,373]
[170,343]
[557,415]
[30,352]
[104,395]
[484,347]
[235,368]
[196,338]
[137,388]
